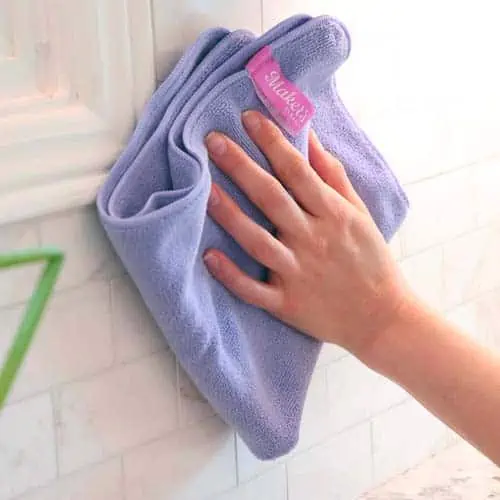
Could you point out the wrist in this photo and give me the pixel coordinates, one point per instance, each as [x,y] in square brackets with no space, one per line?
[384,349]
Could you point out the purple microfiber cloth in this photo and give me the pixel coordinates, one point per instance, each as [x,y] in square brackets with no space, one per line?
[214,56]
[252,368]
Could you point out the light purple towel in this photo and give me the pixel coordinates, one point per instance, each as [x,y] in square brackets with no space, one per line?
[253,369]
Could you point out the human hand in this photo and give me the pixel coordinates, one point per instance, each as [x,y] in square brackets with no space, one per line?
[331,273]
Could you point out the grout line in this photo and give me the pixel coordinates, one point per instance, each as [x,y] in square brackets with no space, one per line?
[155,45]
[112,323]
[122,478]
[372,452]
[57,292]
[178,400]
[287,477]
[262,16]
[55,424]
[236,461]
[469,165]
[91,376]
[441,243]
[94,280]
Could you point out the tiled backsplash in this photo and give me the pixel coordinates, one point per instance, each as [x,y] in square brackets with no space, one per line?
[102,411]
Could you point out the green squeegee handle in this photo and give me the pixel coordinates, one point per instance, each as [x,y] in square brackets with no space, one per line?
[36,305]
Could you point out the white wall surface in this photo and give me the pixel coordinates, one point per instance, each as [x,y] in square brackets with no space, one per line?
[102,411]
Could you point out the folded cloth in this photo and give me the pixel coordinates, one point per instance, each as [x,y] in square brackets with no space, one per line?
[252,368]
[214,56]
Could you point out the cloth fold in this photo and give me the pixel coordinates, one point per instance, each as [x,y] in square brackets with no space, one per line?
[252,368]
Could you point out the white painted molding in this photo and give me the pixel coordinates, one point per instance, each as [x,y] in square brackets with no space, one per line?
[74,76]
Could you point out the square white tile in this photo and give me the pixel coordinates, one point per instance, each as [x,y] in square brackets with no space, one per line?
[18,283]
[269,486]
[424,273]
[72,341]
[276,11]
[488,319]
[193,407]
[397,131]
[403,436]
[176,25]
[27,451]
[330,353]
[198,462]
[356,393]
[471,265]
[486,178]
[99,482]
[339,469]
[88,252]
[315,423]
[442,208]
[115,411]
[465,318]
[135,332]
[249,466]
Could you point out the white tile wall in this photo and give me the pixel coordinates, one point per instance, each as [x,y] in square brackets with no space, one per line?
[198,462]
[122,408]
[339,469]
[73,340]
[356,393]
[193,407]
[272,485]
[471,265]
[403,437]
[480,318]
[439,211]
[101,408]
[85,256]
[17,284]
[178,24]
[98,482]
[27,451]
[486,177]
[424,273]
[135,333]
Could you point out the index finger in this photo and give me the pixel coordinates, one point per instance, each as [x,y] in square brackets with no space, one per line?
[287,163]
[262,188]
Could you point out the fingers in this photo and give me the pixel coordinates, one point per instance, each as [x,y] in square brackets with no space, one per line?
[243,286]
[287,163]
[255,240]
[332,171]
[262,189]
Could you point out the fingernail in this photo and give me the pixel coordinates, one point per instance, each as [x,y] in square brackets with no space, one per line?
[213,197]
[318,142]
[211,261]
[315,136]
[251,120]
[216,144]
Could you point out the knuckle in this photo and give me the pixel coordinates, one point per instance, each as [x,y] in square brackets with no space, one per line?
[289,307]
[320,246]
[261,249]
[340,218]
[293,172]
[335,163]
[272,136]
[273,198]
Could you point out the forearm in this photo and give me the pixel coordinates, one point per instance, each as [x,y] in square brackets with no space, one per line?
[451,375]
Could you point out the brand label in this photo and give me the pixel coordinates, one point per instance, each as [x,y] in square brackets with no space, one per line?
[287,104]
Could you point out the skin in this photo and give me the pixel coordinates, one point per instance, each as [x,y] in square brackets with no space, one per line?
[332,276]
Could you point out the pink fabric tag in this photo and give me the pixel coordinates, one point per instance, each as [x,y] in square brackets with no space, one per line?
[287,104]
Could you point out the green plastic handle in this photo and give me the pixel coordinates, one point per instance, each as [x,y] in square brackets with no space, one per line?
[34,310]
